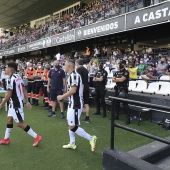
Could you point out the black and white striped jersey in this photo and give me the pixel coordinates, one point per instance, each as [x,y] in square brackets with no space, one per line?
[16,84]
[75,100]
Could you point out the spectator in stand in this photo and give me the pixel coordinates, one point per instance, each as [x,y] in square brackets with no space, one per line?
[137,61]
[132,71]
[92,67]
[159,58]
[96,51]
[58,56]
[109,63]
[87,52]
[151,73]
[4,78]
[104,51]
[145,58]
[143,51]
[168,68]
[151,60]
[148,50]
[142,67]
[161,67]
[95,59]
[115,52]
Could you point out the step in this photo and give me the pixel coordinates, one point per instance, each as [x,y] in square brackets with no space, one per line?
[152,152]
[164,163]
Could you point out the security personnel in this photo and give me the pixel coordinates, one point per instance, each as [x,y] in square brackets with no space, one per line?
[99,81]
[38,81]
[29,74]
[45,82]
[121,78]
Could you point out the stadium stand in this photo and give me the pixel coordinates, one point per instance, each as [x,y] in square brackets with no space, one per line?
[93,12]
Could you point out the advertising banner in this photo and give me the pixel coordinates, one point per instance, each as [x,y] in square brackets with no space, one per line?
[64,38]
[148,16]
[22,48]
[109,26]
[36,45]
[1,53]
[11,51]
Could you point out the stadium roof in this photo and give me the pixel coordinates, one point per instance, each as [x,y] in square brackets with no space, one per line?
[17,12]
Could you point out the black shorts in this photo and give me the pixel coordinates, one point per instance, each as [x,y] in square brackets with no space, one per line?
[86,96]
[54,93]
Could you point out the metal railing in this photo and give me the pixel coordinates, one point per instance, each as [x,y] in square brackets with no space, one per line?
[113,124]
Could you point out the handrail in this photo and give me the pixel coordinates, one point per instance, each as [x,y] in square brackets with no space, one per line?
[113,124]
[152,79]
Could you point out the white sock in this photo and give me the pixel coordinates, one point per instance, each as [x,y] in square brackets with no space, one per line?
[7,133]
[72,137]
[81,132]
[32,133]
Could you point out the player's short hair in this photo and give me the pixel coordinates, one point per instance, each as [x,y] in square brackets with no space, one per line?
[12,65]
[79,62]
[71,62]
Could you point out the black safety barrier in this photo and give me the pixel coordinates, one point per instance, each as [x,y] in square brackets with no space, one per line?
[147,105]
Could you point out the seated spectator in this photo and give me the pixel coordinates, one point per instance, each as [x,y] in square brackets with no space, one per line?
[109,63]
[145,58]
[161,67]
[95,59]
[115,52]
[168,68]
[151,60]
[92,67]
[104,51]
[132,71]
[151,73]
[137,61]
[141,67]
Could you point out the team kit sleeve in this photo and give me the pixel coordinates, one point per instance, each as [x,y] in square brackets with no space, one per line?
[74,80]
[10,84]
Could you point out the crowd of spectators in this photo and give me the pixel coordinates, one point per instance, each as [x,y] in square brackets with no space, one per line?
[140,64]
[90,13]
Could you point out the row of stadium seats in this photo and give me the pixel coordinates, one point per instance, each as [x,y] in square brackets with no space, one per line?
[158,87]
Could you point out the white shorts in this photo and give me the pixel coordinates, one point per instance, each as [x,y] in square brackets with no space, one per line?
[17,114]
[73,116]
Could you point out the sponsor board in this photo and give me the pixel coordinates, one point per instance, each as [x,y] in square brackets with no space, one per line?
[36,45]
[109,26]
[64,38]
[11,51]
[22,48]
[1,53]
[148,16]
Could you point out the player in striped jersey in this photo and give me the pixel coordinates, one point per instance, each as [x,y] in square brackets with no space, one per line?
[75,106]
[16,93]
